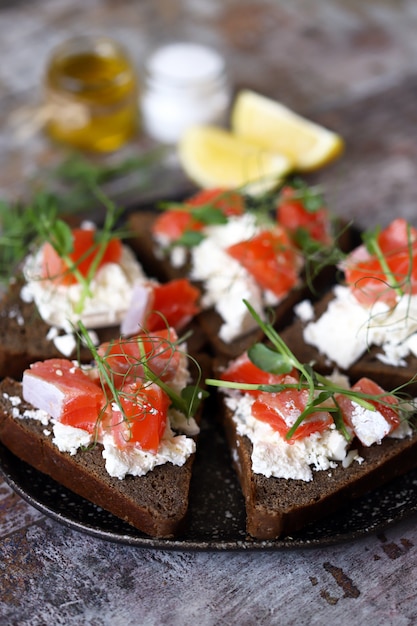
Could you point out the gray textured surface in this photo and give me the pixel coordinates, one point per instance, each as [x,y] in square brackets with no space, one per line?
[348,63]
[52,575]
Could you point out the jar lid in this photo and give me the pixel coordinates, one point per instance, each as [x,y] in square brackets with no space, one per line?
[185,63]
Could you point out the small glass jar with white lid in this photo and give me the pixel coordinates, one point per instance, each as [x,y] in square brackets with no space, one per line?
[184,84]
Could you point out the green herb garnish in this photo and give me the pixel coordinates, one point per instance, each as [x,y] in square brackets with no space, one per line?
[322,391]
[310,196]
[317,256]
[188,239]
[80,171]
[40,222]
[76,177]
[187,401]
[26,225]
[370,239]
[75,185]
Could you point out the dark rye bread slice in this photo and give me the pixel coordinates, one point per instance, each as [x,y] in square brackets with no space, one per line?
[369,365]
[276,507]
[210,322]
[141,240]
[24,336]
[156,504]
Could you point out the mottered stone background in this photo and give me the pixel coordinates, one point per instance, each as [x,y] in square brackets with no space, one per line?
[53,575]
[349,64]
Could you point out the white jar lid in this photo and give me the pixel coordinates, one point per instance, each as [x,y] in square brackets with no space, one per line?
[185,63]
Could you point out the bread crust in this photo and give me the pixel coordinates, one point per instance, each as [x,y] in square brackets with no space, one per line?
[278,506]
[156,504]
[23,335]
[142,242]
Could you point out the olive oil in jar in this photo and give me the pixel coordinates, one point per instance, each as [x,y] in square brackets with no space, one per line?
[91,95]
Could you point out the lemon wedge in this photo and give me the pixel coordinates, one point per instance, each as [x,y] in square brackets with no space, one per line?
[273,126]
[214,157]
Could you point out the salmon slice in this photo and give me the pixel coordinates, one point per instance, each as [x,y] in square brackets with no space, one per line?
[65,392]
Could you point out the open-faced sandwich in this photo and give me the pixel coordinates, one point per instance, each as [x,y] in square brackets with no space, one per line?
[366,325]
[236,247]
[81,274]
[304,445]
[119,432]
[115,418]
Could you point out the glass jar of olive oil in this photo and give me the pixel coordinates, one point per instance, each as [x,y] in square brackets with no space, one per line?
[91,94]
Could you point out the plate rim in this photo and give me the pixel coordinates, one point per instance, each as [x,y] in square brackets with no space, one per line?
[180,543]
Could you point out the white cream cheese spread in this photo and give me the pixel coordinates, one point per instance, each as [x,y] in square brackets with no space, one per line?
[173,448]
[273,456]
[226,282]
[111,292]
[393,329]
[136,462]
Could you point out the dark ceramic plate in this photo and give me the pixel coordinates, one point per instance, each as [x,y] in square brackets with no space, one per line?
[217,515]
[217,510]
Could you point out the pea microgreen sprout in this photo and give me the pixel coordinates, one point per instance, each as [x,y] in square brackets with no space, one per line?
[102,237]
[311,196]
[207,213]
[322,391]
[104,374]
[19,228]
[187,402]
[317,256]
[39,222]
[76,176]
[371,241]
[83,172]
[59,234]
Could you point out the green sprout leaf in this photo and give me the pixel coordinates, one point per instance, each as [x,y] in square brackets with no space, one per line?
[60,237]
[277,358]
[187,402]
[269,360]
[209,214]
[189,239]
[311,197]
[370,239]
